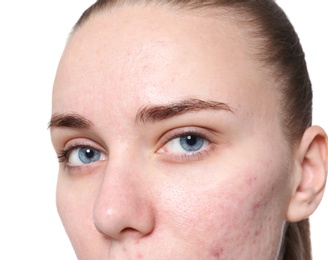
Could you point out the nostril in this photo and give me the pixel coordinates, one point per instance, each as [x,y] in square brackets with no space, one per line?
[132,233]
[128,230]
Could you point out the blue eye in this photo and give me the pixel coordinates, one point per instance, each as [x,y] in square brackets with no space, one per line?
[191,143]
[88,155]
[188,143]
[84,155]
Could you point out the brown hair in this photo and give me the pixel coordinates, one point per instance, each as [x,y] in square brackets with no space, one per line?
[276,44]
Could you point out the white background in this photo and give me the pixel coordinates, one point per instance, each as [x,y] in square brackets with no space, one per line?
[32,37]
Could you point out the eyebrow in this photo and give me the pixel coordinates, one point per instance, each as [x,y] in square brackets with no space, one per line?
[71,120]
[146,114]
[157,113]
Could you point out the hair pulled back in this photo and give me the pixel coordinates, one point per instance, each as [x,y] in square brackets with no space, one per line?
[275,44]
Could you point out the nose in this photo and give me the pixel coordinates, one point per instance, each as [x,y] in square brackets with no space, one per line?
[123,206]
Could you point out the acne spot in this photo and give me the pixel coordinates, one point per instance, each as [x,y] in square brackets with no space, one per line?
[217,253]
[139,256]
[256,206]
[251,180]
[256,237]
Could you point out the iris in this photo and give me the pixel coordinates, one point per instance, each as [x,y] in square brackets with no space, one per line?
[191,143]
[88,155]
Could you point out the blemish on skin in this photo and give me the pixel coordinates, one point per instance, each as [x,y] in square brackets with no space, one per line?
[139,256]
[217,253]
[251,180]
[256,206]
[256,237]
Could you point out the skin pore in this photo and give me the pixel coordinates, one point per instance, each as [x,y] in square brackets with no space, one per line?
[135,89]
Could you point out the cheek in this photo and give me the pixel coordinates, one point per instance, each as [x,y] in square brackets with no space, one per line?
[243,210]
[75,211]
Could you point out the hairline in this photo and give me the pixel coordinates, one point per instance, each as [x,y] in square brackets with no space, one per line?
[256,42]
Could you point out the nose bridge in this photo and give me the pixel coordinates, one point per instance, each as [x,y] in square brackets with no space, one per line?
[123,205]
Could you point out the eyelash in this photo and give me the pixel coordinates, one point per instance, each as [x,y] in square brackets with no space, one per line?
[63,158]
[63,154]
[191,156]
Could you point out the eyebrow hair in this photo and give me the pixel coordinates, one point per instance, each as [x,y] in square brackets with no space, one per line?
[72,120]
[157,113]
[145,114]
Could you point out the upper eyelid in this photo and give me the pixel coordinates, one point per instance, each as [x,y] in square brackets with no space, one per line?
[83,142]
[183,131]
[185,134]
[63,137]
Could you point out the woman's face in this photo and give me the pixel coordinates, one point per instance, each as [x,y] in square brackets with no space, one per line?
[169,138]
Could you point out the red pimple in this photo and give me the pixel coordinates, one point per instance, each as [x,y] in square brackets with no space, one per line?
[139,256]
[256,206]
[217,253]
[251,180]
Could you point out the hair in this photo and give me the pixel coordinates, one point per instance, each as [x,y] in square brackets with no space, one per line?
[276,44]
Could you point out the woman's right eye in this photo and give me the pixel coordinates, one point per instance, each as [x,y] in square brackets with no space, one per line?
[84,155]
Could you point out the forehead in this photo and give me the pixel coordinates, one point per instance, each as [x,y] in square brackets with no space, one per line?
[135,56]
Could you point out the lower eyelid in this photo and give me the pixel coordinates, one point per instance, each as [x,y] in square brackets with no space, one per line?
[82,169]
[188,157]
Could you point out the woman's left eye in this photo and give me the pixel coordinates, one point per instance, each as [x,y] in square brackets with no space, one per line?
[84,155]
[188,143]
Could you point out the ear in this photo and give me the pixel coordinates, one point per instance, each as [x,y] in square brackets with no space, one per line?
[310,173]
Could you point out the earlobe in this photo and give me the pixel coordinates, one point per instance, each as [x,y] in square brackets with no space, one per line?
[310,174]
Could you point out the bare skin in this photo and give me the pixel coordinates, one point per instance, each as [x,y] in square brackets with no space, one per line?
[143,194]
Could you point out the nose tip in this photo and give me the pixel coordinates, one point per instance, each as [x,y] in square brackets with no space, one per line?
[123,213]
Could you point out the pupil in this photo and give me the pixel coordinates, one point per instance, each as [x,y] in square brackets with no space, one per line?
[89,153]
[191,140]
